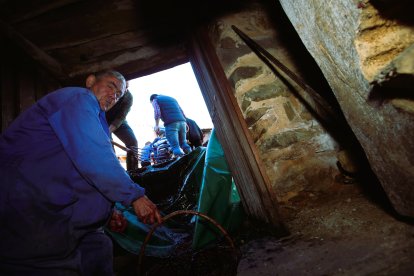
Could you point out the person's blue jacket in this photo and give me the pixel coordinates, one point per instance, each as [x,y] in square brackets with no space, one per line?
[59,179]
[170,110]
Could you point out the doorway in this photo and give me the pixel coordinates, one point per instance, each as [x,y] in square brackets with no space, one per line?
[178,82]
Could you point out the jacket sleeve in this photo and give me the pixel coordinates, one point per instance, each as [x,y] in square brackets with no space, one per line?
[157,110]
[125,107]
[80,131]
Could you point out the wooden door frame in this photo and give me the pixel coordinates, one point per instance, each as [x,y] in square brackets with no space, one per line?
[253,184]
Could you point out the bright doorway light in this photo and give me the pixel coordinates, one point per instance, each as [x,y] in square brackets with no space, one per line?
[178,82]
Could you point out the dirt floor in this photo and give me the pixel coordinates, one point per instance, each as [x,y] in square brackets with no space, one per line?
[346,229]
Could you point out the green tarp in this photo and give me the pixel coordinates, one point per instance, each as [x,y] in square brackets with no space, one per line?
[219,198]
[162,242]
[200,180]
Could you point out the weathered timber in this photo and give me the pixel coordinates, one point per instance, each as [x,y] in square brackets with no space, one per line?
[36,9]
[93,50]
[82,22]
[148,59]
[22,82]
[7,95]
[32,50]
[250,177]
[27,88]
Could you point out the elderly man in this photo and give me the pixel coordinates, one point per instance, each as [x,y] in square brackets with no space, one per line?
[59,180]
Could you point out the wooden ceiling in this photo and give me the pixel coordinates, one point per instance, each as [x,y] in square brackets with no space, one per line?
[71,38]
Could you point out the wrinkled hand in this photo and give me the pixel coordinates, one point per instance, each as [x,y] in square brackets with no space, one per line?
[118,223]
[146,211]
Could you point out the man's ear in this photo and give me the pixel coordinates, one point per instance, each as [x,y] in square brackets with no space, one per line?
[90,81]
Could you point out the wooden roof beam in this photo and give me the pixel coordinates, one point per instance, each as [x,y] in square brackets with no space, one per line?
[46,61]
[135,61]
[42,9]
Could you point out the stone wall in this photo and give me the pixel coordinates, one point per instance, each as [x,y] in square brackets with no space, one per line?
[357,45]
[298,154]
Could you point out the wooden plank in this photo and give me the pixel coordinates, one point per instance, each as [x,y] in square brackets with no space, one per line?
[8,102]
[26,87]
[84,21]
[250,177]
[20,81]
[33,51]
[95,49]
[35,10]
[7,93]
[44,83]
[148,59]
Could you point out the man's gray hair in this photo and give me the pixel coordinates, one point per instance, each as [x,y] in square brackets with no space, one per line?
[115,74]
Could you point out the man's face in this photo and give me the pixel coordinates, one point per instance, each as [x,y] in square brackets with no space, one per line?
[108,90]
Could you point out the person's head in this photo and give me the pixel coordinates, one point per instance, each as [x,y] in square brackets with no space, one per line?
[153,96]
[108,87]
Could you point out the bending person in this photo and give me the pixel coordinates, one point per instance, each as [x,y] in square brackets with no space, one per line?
[116,117]
[59,181]
[169,111]
[194,134]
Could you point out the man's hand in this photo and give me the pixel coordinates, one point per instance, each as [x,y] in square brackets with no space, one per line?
[118,223]
[157,129]
[146,211]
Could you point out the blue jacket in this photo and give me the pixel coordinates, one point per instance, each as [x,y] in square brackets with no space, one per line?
[59,179]
[170,110]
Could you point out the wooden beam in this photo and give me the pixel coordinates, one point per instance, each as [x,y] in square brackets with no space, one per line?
[252,182]
[33,51]
[26,90]
[41,9]
[135,61]
[8,111]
